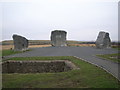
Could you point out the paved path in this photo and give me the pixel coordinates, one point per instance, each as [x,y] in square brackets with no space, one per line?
[85,53]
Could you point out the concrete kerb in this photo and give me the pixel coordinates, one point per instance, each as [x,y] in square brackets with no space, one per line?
[98,66]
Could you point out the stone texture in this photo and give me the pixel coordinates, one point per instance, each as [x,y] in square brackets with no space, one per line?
[103,40]
[20,43]
[37,66]
[58,38]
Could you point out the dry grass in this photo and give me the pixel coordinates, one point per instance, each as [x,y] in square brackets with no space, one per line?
[85,45]
[5,47]
[35,46]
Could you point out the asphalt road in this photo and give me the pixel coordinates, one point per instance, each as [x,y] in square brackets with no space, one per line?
[85,53]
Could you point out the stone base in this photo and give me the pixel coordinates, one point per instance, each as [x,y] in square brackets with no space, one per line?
[37,66]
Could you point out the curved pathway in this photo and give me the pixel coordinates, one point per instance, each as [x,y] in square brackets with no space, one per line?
[85,53]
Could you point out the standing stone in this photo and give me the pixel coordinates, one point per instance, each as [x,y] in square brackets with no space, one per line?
[20,43]
[103,40]
[58,38]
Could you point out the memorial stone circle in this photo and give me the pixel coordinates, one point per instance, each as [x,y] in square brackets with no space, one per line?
[20,43]
[103,40]
[58,38]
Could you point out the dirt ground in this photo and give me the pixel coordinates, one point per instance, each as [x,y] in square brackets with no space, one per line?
[5,47]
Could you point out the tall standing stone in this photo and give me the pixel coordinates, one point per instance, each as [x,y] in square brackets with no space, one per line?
[20,43]
[103,40]
[58,38]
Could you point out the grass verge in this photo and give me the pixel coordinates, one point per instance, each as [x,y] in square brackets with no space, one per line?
[116,47]
[88,76]
[113,57]
[10,52]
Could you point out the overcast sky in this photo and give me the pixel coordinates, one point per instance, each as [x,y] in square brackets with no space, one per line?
[82,20]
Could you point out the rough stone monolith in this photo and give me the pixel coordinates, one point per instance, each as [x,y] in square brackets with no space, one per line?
[20,43]
[58,38]
[103,40]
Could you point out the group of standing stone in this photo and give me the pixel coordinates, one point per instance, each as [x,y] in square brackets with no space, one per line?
[58,38]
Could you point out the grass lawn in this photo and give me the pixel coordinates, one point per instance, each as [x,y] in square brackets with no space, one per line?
[112,57]
[116,47]
[88,76]
[10,52]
